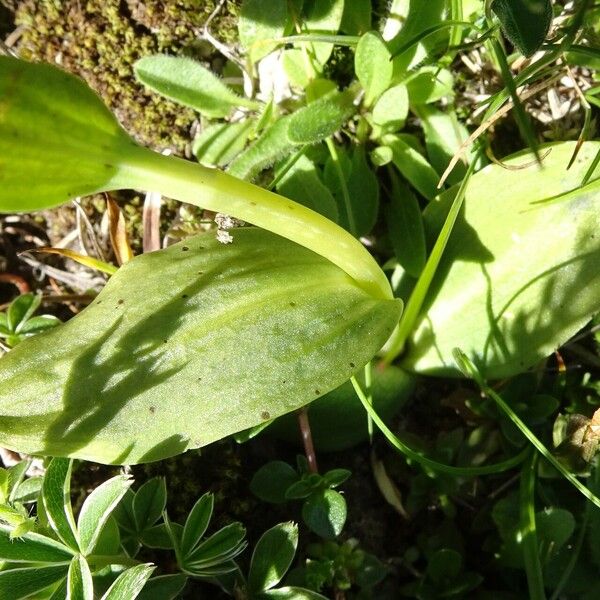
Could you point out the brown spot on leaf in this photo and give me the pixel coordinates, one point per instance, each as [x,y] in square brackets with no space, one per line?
[265,415]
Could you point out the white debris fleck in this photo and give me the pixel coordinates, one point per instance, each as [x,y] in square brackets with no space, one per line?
[225,223]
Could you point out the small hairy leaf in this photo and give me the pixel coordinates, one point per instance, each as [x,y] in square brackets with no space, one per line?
[325,513]
[56,497]
[272,557]
[197,523]
[149,502]
[24,583]
[164,587]
[520,273]
[129,583]
[524,22]
[187,82]
[97,508]
[32,548]
[79,580]
[178,362]
[272,480]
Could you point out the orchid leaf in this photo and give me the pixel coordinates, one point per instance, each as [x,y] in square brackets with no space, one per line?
[520,273]
[170,348]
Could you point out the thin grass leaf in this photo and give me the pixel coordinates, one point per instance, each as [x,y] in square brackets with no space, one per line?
[413,307]
[86,261]
[527,530]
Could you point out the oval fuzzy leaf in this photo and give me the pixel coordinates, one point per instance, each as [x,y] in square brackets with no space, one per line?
[188,345]
[373,65]
[325,513]
[64,134]
[520,273]
[524,22]
[187,82]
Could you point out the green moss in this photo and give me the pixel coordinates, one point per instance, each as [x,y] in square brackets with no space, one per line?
[101,40]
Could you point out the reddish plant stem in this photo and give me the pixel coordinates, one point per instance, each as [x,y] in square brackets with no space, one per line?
[309,448]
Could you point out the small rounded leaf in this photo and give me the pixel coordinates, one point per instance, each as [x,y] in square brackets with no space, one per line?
[325,513]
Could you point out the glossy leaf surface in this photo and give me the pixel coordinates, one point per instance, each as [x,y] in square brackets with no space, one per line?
[187,345]
[520,273]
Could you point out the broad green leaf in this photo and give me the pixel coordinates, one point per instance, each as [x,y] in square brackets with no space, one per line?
[413,166]
[261,22]
[97,508]
[325,513]
[524,22]
[391,110]
[56,497]
[303,184]
[373,66]
[519,275]
[149,502]
[196,523]
[32,548]
[220,143]
[338,420]
[164,587]
[24,583]
[272,480]
[129,583]
[79,580]
[187,82]
[179,362]
[405,227]
[65,135]
[272,557]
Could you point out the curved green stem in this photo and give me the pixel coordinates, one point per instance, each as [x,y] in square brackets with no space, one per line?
[217,191]
[427,462]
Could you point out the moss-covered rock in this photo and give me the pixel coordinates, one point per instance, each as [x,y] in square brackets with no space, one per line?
[101,40]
